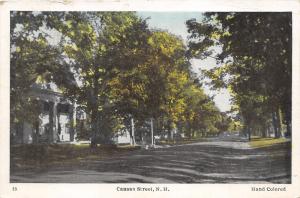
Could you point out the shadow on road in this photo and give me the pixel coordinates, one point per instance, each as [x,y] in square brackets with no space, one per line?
[194,163]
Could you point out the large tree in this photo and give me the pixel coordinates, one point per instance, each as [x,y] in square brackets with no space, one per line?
[101,48]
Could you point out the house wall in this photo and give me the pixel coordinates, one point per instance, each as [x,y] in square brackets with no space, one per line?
[122,138]
[27,133]
[64,136]
[64,121]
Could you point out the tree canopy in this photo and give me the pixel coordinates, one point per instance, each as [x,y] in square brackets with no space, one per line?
[114,67]
[255,62]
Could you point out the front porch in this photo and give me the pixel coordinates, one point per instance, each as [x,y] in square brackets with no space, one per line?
[56,121]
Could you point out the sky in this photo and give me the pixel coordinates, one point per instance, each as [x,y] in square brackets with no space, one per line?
[174,22]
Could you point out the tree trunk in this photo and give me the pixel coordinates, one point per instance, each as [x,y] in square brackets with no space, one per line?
[172,129]
[169,130]
[287,118]
[193,133]
[274,121]
[249,133]
[279,121]
[152,135]
[51,124]
[21,132]
[288,129]
[72,121]
[94,108]
[37,133]
[94,123]
[132,132]
[189,130]
[264,130]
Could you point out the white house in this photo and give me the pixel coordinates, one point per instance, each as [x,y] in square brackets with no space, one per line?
[56,120]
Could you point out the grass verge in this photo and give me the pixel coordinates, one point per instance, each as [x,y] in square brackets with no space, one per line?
[180,141]
[264,142]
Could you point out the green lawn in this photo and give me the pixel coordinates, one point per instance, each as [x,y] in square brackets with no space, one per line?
[263,142]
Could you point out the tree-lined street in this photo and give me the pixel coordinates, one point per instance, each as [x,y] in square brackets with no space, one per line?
[105,97]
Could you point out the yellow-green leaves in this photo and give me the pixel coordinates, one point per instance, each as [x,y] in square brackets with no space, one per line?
[40,80]
[69,23]
[167,43]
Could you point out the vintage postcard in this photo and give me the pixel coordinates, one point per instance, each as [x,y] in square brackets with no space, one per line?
[148,98]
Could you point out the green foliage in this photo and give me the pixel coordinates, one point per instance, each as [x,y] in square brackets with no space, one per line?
[255,60]
[114,67]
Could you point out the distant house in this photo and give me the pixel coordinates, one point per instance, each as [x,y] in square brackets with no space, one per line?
[122,138]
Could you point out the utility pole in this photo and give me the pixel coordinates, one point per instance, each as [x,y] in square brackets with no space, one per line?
[152,138]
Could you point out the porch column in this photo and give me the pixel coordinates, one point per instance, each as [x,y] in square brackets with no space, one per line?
[55,123]
[50,128]
[74,135]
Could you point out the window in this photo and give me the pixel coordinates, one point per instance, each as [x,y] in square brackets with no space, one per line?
[46,106]
[63,108]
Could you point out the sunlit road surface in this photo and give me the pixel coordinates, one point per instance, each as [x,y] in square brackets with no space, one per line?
[215,161]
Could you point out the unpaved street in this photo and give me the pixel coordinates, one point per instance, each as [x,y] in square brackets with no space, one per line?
[204,162]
